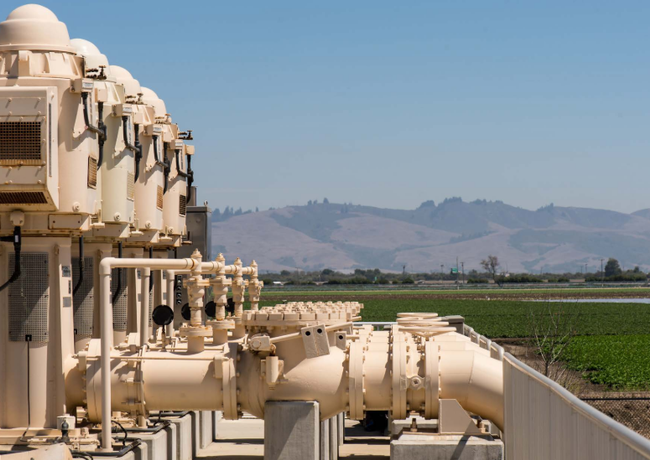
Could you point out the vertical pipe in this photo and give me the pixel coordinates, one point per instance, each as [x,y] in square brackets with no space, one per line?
[107,337]
[171,277]
[144,306]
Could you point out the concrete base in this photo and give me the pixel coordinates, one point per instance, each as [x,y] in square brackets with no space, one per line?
[396,426]
[157,446]
[184,442]
[445,447]
[205,419]
[216,417]
[292,430]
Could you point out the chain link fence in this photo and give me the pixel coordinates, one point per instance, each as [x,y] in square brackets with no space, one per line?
[633,412]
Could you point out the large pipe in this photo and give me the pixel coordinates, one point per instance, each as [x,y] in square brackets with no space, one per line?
[221,378]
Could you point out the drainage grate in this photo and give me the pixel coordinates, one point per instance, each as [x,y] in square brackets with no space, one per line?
[29,298]
[20,141]
[84,305]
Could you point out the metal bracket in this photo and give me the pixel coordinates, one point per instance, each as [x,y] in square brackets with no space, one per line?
[315,341]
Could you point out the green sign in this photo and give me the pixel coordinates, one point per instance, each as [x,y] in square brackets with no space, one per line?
[454,271]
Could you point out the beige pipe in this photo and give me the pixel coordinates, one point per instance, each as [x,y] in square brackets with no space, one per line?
[106,320]
[144,306]
[475,381]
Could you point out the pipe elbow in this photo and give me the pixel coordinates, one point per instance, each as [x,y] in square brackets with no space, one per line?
[106,265]
[475,381]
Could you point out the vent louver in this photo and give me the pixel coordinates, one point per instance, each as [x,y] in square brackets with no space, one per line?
[182,205]
[22,198]
[159,198]
[20,142]
[92,172]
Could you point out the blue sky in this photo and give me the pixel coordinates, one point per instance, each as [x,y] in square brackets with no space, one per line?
[393,103]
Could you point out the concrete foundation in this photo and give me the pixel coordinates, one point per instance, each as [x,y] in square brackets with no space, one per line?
[292,431]
[157,445]
[445,447]
[396,426]
[206,437]
[183,431]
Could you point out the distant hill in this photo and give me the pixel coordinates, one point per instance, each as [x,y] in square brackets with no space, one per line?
[345,237]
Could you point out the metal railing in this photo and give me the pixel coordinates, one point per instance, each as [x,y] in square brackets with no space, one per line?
[545,421]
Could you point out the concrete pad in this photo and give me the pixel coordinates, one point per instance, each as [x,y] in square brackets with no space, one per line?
[292,430]
[237,439]
[445,447]
[244,440]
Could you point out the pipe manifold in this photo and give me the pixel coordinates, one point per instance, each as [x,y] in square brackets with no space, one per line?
[300,352]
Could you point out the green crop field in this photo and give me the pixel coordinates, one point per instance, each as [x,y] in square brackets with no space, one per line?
[507,318]
[618,362]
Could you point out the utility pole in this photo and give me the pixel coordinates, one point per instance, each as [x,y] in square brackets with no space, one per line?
[457,285]
[602,273]
[462,267]
[442,269]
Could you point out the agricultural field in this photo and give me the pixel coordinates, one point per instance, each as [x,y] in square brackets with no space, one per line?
[613,339]
[510,319]
[617,362]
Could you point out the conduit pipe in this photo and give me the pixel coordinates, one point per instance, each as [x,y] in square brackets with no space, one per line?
[106,323]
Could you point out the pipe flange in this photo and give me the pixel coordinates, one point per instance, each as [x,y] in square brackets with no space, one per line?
[220,325]
[229,381]
[195,331]
[431,379]
[355,381]
[399,378]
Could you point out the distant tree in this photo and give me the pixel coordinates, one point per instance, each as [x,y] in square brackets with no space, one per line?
[636,269]
[326,201]
[428,204]
[257,209]
[309,203]
[216,215]
[315,201]
[491,265]
[327,272]
[612,268]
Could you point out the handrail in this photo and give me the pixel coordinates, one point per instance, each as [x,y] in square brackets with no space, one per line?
[614,428]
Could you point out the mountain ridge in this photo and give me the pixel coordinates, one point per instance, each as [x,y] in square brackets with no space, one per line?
[344,236]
